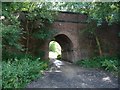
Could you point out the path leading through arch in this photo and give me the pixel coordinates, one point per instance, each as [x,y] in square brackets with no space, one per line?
[66,46]
[72,76]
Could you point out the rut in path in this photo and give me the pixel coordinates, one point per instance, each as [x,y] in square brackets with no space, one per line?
[72,76]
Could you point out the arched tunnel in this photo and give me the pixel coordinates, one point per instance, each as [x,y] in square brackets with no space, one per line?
[66,47]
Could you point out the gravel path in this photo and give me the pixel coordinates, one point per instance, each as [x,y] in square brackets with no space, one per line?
[71,76]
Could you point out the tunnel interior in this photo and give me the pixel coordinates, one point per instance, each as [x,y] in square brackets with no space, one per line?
[66,47]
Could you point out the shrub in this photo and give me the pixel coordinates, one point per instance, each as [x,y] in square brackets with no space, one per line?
[111,65]
[105,62]
[52,47]
[16,74]
[59,56]
[89,63]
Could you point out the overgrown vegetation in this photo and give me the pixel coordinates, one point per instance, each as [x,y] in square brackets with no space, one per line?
[52,47]
[18,73]
[10,37]
[14,29]
[55,48]
[104,62]
[98,11]
[59,57]
[99,14]
[16,70]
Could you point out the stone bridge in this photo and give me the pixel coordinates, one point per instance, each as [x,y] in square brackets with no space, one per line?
[75,45]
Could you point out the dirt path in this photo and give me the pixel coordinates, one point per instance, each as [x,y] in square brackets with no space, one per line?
[71,76]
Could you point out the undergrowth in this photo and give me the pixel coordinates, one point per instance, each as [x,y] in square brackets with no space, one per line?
[18,73]
[108,63]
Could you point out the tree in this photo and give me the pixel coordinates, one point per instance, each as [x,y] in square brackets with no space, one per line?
[97,12]
[41,11]
[52,46]
[11,26]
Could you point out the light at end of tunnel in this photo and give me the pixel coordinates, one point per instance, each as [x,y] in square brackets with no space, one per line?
[54,49]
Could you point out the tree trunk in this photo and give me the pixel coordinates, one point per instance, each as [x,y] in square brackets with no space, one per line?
[99,46]
[27,42]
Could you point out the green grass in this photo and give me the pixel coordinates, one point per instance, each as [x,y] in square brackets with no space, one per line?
[18,73]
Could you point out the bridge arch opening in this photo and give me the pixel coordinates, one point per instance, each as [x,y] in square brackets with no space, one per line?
[66,47]
[54,50]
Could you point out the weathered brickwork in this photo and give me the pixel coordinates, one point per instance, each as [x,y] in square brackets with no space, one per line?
[75,45]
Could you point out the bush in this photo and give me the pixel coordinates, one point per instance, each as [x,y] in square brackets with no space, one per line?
[10,41]
[88,63]
[16,74]
[109,64]
[52,47]
[106,62]
[59,57]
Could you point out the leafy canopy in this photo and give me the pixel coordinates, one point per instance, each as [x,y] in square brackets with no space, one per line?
[11,27]
[99,11]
